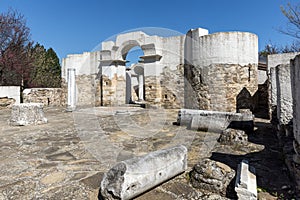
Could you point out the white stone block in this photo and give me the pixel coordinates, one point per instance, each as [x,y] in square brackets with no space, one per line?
[27,113]
[245,184]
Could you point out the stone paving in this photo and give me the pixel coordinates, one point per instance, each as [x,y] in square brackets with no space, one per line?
[66,158]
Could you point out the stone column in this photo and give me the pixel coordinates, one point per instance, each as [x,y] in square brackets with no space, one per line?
[141,87]
[71,89]
[133,177]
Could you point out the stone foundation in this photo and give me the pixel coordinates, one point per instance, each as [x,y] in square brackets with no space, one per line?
[222,87]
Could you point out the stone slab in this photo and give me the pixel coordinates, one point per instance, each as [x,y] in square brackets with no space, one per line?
[245,184]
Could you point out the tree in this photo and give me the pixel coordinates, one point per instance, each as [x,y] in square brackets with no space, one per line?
[47,69]
[21,63]
[292,13]
[15,61]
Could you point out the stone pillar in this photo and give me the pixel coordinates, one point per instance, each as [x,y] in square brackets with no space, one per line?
[133,177]
[273,96]
[295,72]
[141,87]
[284,98]
[71,89]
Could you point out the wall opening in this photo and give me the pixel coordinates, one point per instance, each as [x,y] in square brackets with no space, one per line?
[134,75]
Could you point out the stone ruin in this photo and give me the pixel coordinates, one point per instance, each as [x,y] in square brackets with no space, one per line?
[284,101]
[197,70]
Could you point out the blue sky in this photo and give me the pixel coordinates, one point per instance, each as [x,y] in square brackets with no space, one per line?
[76,26]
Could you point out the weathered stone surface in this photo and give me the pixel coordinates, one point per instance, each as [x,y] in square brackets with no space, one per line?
[214,120]
[233,137]
[25,152]
[284,96]
[212,176]
[245,184]
[46,96]
[132,177]
[6,102]
[209,123]
[222,87]
[295,72]
[27,113]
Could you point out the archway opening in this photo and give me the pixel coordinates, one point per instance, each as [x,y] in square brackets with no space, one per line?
[134,75]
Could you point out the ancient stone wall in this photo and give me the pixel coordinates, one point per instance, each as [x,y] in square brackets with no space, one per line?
[113,90]
[222,73]
[46,96]
[222,87]
[166,90]
[87,90]
[272,61]
[295,78]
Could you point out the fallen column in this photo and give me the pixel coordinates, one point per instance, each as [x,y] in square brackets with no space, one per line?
[132,177]
[27,113]
[209,123]
[214,120]
[245,184]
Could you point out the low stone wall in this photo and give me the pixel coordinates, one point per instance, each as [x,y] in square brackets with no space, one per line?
[9,95]
[222,87]
[46,96]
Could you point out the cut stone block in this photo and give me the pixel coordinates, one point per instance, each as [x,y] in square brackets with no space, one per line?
[245,184]
[214,120]
[132,177]
[27,113]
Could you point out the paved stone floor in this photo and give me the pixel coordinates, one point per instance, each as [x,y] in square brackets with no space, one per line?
[66,158]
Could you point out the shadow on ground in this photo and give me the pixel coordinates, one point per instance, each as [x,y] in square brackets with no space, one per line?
[271,173]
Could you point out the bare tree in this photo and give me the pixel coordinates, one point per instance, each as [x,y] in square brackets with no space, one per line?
[15,44]
[292,13]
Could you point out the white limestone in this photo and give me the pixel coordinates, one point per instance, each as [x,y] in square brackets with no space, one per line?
[245,184]
[132,177]
[226,47]
[71,104]
[23,114]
